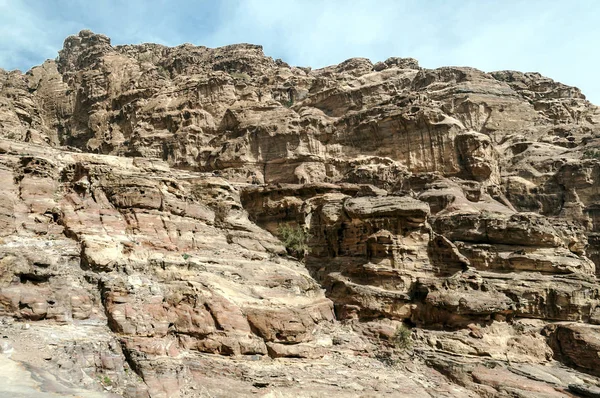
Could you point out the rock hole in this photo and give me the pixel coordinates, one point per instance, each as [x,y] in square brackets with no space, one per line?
[33,278]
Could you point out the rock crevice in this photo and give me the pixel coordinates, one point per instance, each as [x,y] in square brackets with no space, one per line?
[144,188]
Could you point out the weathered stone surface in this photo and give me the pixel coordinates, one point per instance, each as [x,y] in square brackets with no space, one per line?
[585,391]
[577,345]
[387,207]
[143,188]
[193,275]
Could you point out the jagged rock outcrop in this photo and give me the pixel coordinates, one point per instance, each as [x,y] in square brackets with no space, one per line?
[144,187]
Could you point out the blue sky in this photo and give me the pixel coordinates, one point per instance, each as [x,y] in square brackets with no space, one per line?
[557,38]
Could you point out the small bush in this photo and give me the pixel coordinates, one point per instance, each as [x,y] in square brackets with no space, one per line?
[162,71]
[105,380]
[591,154]
[240,76]
[145,57]
[185,256]
[197,190]
[387,358]
[295,239]
[402,338]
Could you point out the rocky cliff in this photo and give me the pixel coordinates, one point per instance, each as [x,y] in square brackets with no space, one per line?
[451,220]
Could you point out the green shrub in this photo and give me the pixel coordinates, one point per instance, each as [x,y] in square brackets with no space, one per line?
[197,190]
[240,76]
[388,358]
[105,380]
[145,57]
[294,238]
[162,71]
[591,154]
[402,339]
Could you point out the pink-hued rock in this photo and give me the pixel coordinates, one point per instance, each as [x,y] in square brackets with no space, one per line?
[441,225]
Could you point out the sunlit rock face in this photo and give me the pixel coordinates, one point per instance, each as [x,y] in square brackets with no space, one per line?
[144,189]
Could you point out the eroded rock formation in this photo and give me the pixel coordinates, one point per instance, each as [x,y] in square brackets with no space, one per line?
[143,187]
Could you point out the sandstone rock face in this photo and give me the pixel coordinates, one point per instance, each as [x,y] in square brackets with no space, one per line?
[143,190]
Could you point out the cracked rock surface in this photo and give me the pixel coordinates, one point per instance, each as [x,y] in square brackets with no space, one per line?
[451,220]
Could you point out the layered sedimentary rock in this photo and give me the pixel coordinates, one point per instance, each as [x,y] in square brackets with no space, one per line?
[144,187]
